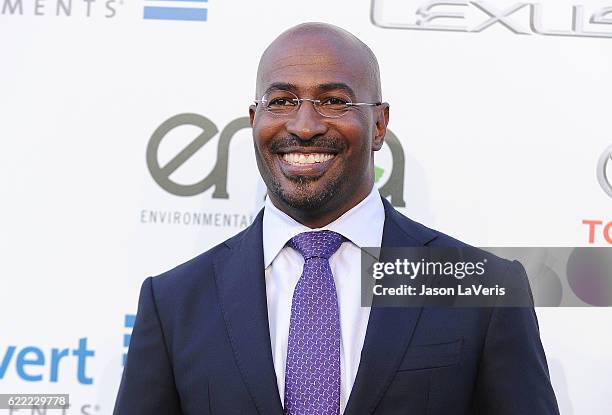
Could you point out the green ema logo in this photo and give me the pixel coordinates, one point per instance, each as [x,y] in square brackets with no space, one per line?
[378,172]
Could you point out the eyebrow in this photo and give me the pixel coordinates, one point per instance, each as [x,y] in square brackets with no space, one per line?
[334,86]
[330,86]
[281,85]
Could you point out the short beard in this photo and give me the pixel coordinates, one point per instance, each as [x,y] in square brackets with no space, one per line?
[303,198]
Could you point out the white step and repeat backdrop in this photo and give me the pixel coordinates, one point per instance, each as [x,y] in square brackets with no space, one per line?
[500,112]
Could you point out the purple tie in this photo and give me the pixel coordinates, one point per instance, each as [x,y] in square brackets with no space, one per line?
[312,374]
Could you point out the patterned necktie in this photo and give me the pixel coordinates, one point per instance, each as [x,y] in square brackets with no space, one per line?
[312,373]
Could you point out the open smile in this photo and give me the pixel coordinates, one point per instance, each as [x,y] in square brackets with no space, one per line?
[308,158]
[313,163]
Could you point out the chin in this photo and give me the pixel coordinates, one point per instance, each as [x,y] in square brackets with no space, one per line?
[304,195]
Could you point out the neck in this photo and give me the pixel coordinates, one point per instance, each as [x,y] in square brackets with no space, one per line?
[320,217]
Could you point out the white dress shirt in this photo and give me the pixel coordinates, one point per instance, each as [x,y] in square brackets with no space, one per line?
[362,226]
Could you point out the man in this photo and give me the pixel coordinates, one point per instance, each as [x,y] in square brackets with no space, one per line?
[270,321]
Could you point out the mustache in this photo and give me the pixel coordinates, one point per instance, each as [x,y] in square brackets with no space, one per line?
[284,144]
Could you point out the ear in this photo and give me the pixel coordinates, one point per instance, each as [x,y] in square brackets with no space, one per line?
[252,109]
[382,119]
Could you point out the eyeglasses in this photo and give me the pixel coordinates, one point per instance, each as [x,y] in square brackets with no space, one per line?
[282,102]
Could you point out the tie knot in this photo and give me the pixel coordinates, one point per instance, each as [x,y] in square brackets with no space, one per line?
[318,244]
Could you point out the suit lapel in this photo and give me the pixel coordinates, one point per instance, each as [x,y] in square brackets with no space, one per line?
[389,329]
[242,291]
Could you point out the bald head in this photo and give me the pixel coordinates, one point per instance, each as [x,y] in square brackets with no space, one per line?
[317,159]
[317,46]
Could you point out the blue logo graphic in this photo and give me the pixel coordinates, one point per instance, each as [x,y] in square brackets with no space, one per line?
[128,324]
[196,14]
[35,364]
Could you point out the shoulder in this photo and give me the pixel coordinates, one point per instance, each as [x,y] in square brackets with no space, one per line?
[198,272]
[411,231]
[415,232]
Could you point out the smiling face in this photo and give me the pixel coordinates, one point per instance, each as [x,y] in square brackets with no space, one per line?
[316,168]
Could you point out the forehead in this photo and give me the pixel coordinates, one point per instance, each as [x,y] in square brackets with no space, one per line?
[310,62]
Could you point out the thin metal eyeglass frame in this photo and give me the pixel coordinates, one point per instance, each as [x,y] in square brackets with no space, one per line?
[316,103]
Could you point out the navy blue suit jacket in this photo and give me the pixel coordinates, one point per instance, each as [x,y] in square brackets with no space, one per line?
[201,344]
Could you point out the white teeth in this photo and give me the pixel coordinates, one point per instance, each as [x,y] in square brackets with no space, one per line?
[300,158]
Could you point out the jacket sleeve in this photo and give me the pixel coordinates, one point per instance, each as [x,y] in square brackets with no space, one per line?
[147,385]
[513,374]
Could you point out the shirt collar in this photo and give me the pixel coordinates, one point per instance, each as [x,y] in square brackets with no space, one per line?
[362,225]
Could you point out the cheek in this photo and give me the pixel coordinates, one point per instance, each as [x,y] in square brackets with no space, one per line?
[358,135]
[263,134]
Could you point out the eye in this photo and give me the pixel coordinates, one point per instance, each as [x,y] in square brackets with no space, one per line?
[334,101]
[281,102]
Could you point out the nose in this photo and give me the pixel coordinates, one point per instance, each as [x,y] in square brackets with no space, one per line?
[306,122]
